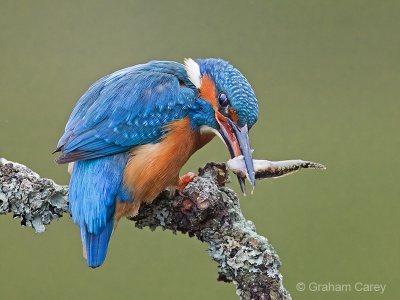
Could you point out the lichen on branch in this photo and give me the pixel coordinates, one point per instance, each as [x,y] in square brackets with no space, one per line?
[207,209]
[36,201]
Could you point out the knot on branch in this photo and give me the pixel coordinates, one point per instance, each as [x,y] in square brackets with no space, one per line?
[211,211]
[192,211]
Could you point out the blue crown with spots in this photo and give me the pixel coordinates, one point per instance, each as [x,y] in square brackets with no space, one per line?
[229,80]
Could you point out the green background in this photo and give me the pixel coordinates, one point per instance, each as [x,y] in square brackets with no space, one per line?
[326,75]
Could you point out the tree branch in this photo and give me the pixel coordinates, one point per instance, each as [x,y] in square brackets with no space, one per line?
[208,210]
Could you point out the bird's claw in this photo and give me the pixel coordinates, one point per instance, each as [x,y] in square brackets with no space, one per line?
[184,181]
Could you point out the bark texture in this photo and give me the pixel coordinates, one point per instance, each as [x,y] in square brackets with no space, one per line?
[207,209]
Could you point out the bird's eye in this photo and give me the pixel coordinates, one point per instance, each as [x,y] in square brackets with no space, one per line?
[223,99]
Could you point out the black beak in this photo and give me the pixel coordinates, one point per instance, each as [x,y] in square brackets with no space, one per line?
[237,140]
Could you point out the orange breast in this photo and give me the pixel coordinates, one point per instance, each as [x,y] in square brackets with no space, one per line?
[154,167]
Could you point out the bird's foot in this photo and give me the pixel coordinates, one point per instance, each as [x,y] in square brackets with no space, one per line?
[184,180]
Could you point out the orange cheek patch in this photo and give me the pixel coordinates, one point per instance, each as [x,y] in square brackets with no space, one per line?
[208,92]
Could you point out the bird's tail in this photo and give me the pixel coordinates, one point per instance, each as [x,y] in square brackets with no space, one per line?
[95,245]
[95,187]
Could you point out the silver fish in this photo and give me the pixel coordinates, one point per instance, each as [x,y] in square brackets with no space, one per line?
[265,169]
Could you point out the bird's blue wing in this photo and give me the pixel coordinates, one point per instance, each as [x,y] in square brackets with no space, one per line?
[127,108]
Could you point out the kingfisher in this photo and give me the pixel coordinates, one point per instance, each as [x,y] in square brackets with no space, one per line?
[132,131]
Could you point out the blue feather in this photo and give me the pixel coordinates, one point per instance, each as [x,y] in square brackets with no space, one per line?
[97,244]
[116,112]
[94,187]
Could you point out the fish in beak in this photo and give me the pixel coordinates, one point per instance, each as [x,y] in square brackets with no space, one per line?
[236,139]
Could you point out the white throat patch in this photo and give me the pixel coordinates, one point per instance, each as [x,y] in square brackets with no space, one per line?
[193,71]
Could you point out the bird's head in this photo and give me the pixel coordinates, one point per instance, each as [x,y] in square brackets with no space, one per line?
[226,106]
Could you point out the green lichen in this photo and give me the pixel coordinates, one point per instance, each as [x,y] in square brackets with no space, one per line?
[36,201]
[211,212]
[207,209]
